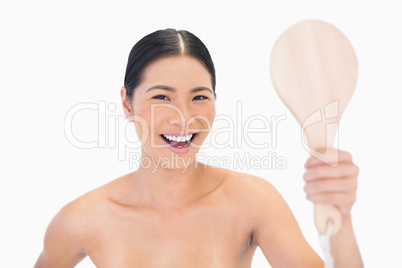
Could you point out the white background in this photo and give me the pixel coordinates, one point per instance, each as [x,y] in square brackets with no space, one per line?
[56,54]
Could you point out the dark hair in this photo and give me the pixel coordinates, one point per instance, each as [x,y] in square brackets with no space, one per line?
[160,44]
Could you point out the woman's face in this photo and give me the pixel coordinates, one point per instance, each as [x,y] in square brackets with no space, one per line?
[174,108]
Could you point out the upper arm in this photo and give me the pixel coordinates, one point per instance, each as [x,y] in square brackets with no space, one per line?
[63,243]
[277,232]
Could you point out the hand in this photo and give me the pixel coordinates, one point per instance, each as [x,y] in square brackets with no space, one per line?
[333,180]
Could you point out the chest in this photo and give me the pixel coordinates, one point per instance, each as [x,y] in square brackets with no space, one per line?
[206,236]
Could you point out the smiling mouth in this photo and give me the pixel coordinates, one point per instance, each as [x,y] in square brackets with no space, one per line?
[179,141]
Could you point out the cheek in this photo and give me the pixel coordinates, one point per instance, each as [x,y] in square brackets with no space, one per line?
[202,120]
[142,120]
[209,114]
[212,113]
[150,118]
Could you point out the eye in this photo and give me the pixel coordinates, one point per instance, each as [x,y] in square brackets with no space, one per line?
[160,97]
[200,97]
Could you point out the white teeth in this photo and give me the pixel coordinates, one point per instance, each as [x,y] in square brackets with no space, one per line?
[178,138]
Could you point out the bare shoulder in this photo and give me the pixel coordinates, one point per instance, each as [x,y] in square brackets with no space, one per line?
[274,225]
[68,235]
[255,188]
[253,195]
[64,238]
[74,220]
[262,195]
[77,217]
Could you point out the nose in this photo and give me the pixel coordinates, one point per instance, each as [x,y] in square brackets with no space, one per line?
[180,115]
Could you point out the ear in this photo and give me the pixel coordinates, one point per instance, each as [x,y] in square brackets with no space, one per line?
[126,104]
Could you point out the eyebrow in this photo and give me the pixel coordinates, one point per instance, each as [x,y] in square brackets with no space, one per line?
[171,89]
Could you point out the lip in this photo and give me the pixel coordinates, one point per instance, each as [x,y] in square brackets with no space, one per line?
[175,149]
[178,133]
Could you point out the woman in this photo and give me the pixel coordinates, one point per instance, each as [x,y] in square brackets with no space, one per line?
[181,213]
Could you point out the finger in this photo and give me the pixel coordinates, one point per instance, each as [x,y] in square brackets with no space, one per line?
[330,185]
[331,157]
[326,171]
[344,201]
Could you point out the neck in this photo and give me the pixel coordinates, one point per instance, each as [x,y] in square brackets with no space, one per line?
[167,185]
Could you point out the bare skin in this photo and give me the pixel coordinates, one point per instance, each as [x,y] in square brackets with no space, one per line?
[217,229]
[191,215]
